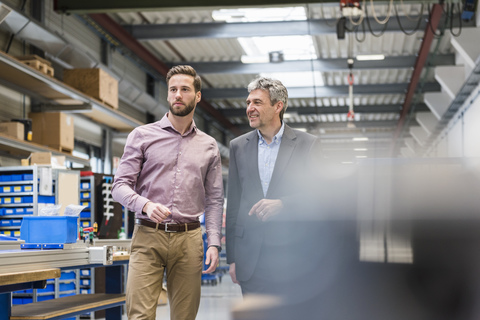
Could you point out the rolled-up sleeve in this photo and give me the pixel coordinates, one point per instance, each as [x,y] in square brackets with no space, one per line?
[123,189]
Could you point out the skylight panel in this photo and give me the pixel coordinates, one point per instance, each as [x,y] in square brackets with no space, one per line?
[260,14]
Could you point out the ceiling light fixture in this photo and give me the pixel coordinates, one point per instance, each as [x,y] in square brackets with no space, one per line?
[370,57]
[360,149]
[360,139]
[255,59]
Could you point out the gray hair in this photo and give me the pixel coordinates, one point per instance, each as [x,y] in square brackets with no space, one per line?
[275,88]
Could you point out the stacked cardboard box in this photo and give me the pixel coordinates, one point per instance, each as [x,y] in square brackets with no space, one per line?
[53,129]
[13,129]
[94,82]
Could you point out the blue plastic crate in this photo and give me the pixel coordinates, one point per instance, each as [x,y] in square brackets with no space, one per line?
[17,177]
[85,185]
[27,176]
[49,229]
[27,199]
[85,195]
[85,214]
[17,300]
[46,199]
[48,288]
[65,275]
[5,223]
[66,286]
[45,297]
[6,189]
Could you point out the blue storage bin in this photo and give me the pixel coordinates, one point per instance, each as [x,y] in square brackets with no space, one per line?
[66,286]
[65,275]
[5,223]
[45,297]
[49,229]
[27,188]
[16,222]
[85,195]
[27,199]
[85,214]
[17,300]
[85,204]
[46,199]
[85,185]
[48,288]
[16,189]
[6,189]
[85,291]
[27,176]
[5,177]
[17,177]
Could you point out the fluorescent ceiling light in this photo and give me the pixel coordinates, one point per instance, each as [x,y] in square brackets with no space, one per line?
[360,139]
[302,129]
[288,115]
[255,59]
[292,47]
[260,14]
[360,149]
[360,157]
[367,57]
[297,79]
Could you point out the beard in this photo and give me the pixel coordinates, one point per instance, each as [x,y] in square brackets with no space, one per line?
[183,111]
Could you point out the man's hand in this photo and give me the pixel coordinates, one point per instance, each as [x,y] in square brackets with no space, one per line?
[266,208]
[156,212]
[211,259]
[233,273]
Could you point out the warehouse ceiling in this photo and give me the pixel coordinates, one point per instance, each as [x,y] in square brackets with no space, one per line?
[358,108]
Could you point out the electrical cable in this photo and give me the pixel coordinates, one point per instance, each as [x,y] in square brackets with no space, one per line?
[360,20]
[419,20]
[388,12]
[408,16]
[436,35]
[459,19]
[370,27]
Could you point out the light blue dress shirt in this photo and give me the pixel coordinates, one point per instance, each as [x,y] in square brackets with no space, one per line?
[267,156]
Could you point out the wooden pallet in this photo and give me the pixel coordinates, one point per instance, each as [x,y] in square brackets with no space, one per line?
[38,63]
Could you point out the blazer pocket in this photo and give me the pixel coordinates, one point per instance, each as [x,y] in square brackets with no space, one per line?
[239,231]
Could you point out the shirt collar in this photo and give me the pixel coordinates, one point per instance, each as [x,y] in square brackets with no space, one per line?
[165,123]
[276,139]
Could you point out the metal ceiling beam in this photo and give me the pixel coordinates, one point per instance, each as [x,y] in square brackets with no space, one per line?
[113,28]
[322,92]
[261,29]
[423,53]
[331,125]
[334,64]
[96,6]
[385,108]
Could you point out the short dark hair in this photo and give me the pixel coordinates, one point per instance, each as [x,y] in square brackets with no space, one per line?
[275,89]
[189,71]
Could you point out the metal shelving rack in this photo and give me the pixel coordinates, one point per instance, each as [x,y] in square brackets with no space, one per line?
[86,276]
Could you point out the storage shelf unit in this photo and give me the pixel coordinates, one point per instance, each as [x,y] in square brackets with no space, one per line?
[86,280]
[20,77]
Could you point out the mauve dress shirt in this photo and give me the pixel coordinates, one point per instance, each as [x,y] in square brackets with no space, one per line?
[182,172]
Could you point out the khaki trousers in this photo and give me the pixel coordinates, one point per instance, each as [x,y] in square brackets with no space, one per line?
[153,252]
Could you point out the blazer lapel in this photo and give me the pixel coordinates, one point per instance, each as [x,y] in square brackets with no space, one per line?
[287,147]
[251,153]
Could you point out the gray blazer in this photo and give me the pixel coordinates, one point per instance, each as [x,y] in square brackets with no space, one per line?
[245,234]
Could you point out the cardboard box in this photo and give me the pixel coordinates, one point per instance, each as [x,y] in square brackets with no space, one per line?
[41,158]
[13,129]
[94,82]
[53,129]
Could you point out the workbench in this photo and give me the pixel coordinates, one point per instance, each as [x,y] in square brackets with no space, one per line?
[29,269]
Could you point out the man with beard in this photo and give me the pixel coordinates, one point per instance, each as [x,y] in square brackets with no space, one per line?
[169,175]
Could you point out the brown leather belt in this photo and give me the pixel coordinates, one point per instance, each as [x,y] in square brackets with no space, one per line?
[169,227]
